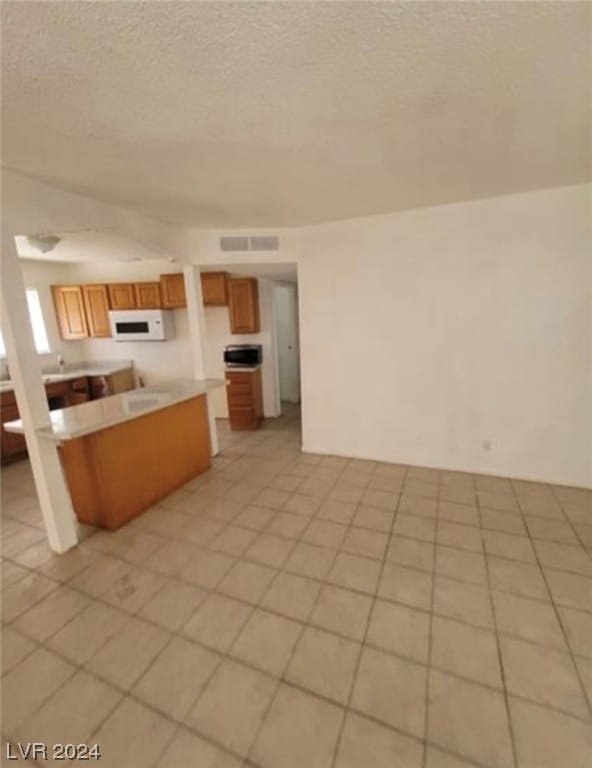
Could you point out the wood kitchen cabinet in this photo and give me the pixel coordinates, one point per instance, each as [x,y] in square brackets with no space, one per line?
[60,394]
[96,304]
[121,295]
[12,446]
[57,394]
[119,470]
[243,304]
[147,295]
[172,287]
[78,391]
[245,399]
[113,384]
[99,387]
[69,306]
[214,289]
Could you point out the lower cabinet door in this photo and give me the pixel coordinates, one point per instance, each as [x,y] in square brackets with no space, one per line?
[99,387]
[240,401]
[12,443]
[242,417]
[76,398]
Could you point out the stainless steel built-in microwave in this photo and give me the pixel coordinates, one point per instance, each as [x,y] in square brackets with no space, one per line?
[141,324]
[243,355]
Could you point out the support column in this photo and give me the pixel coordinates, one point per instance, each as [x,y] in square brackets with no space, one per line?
[25,372]
[197,330]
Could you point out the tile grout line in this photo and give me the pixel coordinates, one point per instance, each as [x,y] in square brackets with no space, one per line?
[571,525]
[127,693]
[222,657]
[364,638]
[575,667]
[231,521]
[213,590]
[204,546]
[252,606]
[310,518]
[281,678]
[209,589]
[430,632]
[167,540]
[498,648]
[136,565]
[46,699]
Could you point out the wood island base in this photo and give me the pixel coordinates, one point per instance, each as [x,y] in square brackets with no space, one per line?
[116,473]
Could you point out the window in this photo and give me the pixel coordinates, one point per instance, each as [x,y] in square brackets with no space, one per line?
[37,324]
[37,321]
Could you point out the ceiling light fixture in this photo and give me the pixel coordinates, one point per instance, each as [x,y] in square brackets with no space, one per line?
[43,243]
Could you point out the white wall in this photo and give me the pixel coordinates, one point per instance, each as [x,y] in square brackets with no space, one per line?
[456,337]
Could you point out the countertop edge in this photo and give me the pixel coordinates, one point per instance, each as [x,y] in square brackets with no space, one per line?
[241,368]
[75,373]
[48,432]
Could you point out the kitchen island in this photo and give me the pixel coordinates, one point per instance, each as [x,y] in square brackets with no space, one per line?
[123,453]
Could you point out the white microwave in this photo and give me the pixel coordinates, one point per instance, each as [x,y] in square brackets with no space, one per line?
[141,324]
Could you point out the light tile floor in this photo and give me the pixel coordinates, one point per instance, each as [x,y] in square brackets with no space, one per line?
[288,610]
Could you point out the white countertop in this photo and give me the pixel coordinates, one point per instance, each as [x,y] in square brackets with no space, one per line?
[79,420]
[241,368]
[84,369]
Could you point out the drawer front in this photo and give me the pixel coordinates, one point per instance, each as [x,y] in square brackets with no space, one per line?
[57,388]
[240,388]
[240,400]
[8,398]
[242,417]
[79,385]
[99,386]
[77,398]
[238,376]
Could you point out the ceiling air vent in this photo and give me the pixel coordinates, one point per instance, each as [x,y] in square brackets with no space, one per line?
[257,243]
[234,243]
[266,243]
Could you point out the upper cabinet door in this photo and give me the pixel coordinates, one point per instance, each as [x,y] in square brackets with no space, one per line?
[148,295]
[96,302]
[172,287]
[214,289]
[243,301]
[69,307]
[121,296]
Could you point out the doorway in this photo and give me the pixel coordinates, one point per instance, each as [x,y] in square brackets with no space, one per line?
[287,341]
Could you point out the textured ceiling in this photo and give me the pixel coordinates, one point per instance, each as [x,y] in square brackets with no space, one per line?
[284,113]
